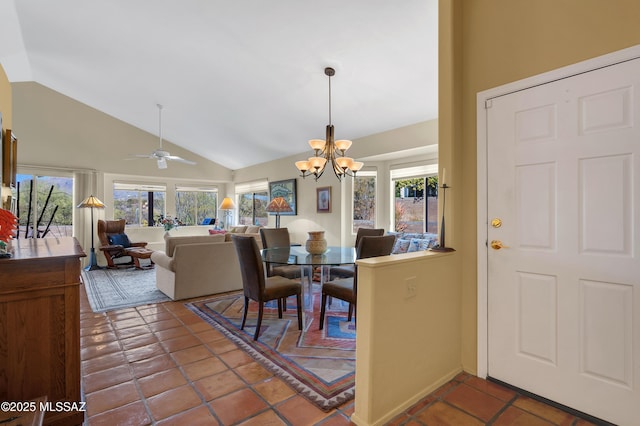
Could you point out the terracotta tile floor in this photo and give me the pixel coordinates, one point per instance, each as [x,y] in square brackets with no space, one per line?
[161,364]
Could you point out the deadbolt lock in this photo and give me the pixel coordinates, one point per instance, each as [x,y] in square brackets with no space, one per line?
[496,223]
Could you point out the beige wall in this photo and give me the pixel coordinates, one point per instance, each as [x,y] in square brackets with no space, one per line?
[57,131]
[494,42]
[369,149]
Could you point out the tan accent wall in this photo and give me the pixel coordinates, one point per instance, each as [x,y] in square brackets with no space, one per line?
[489,43]
[5,100]
[407,345]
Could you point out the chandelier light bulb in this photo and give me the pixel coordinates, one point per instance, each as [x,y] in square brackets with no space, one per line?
[343,145]
[355,166]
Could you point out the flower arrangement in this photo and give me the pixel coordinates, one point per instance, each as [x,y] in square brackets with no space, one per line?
[168,222]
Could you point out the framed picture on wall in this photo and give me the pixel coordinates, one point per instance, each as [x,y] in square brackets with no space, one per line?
[323,199]
[287,190]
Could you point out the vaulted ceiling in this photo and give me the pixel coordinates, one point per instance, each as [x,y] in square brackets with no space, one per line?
[241,82]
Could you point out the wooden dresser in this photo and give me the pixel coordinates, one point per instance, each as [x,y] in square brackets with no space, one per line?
[40,324]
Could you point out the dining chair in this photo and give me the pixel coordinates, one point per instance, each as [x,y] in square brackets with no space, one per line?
[346,271]
[279,237]
[259,288]
[347,288]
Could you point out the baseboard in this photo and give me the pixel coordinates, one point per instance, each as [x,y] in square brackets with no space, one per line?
[408,403]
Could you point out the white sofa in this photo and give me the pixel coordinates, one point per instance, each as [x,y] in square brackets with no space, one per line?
[195,266]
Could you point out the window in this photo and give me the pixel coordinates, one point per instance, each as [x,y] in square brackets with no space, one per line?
[415,199]
[48,200]
[364,200]
[194,204]
[138,204]
[253,199]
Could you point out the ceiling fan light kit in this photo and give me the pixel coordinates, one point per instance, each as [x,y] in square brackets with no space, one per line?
[160,155]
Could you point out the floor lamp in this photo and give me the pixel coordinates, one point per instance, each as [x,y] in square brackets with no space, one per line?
[92,203]
[279,205]
[227,205]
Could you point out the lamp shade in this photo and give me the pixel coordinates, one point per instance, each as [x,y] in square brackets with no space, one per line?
[227,204]
[279,205]
[91,202]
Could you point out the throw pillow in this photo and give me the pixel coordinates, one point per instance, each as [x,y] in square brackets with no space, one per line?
[119,240]
[400,246]
[217,231]
[419,244]
[238,229]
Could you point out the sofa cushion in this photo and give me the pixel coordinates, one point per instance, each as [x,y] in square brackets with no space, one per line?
[172,242]
[119,240]
[252,229]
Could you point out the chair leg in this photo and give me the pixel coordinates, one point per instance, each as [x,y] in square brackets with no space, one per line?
[284,304]
[299,301]
[279,308]
[260,307]
[244,314]
[322,308]
[350,312]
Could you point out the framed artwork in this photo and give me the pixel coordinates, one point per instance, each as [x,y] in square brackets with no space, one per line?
[287,190]
[323,199]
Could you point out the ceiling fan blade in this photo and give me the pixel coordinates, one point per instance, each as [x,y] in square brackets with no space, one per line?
[138,156]
[180,159]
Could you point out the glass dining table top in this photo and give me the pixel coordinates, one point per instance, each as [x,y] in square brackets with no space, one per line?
[297,255]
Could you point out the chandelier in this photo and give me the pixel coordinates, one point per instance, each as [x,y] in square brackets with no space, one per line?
[329,151]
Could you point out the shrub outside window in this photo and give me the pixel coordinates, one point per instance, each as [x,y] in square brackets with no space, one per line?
[194,204]
[138,204]
[364,201]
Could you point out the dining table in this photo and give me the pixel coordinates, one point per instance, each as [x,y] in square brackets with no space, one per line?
[298,255]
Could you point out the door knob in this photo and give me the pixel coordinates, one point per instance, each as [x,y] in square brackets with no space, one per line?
[497,245]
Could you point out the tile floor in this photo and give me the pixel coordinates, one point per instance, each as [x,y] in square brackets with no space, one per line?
[161,365]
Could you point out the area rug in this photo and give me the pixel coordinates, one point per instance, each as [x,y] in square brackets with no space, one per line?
[111,289]
[318,364]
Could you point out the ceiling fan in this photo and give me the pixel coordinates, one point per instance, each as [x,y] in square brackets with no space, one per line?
[161,155]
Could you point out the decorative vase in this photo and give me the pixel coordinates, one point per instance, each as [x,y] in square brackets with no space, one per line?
[316,244]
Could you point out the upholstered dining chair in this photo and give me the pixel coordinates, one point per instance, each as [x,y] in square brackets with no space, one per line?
[347,288]
[279,237]
[115,244]
[346,271]
[259,288]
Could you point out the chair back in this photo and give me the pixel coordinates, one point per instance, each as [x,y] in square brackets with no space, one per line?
[275,237]
[368,232]
[250,266]
[371,246]
[106,228]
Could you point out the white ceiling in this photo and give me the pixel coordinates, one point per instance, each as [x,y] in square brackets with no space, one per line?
[241,81]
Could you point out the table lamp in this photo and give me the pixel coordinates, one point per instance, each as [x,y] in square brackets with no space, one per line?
[279,205]
[227,205]
[92,202]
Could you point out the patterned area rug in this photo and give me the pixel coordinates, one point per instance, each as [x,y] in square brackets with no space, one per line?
[111,289]
[319,364]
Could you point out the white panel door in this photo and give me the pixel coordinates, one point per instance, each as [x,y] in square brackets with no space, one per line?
[564,294]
